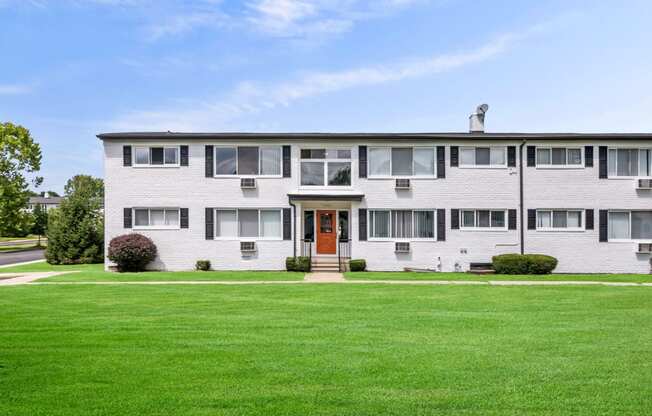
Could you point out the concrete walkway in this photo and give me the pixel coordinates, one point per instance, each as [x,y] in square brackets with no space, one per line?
[23,278]
[330,277]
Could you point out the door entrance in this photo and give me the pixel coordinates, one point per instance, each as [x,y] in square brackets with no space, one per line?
[326,232]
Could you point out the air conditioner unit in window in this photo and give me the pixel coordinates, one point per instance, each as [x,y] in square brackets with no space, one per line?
[644,248]
[644,184]
[248,183]
[401,247]
[402,184]
[247,246]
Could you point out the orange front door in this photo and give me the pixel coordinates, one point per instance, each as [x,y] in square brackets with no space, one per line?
[326,232]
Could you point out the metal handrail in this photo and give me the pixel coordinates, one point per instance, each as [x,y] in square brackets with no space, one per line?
[342,252]
[306,248]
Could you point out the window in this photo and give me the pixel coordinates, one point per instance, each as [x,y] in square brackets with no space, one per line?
[401,161]
[559,157]
[483,219]
[483,156]
[325,167]
[248,223]
[402,224]
[248,160]
[156,218]
[630,162]
[309,225]
[157,156]
[559,219]
[630,225]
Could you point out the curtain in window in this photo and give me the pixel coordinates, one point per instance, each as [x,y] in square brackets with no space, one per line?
[559,219]
[574,156]
[248,222]
[543,156]
[424,161]
[379,161]
[156,217]
[247,160]
[642,224]
[468,218]
[498,219]
[142,156]
[171,155]
[171,217]
[613,162]
[482,156]
[544,219]
[558,156]
[226,224]
[618,225]
[270,161]
[627,162]
[225,160]
[402,161]
[467,156]
[142,217]
[379,224]
[270,223]
[424,224]
[574,219]
[401,224]
[644,162]
[497,155]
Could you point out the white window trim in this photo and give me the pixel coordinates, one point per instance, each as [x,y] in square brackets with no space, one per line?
[475,221]
[617,177]
[156,227]
[325,162]
[566,165]
[474,166]
[413,176]
[237,222]
[581,228]
[390,238]
[625,240]
[149,156]
[237,175]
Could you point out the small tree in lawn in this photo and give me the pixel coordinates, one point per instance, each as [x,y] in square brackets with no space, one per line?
[39,222]
[76,229]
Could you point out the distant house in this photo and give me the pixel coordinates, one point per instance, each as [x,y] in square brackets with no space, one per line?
[46,202]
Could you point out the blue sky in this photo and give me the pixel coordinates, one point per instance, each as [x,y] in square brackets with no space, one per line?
[75,68]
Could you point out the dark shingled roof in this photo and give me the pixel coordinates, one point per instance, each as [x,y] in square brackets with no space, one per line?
[362,136]
[44,200]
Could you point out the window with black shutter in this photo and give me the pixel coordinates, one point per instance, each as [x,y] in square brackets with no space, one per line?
[441,161]
[455,219]
[511,156]
[183,217]
[362,224]
[588,214]
[126,155]
[588,156]
[287,161]
[531,156]
[287,224]
[531,219]
[441,224]
[209,161]
[209,223]
[127,220]
[455,156]
[511,219]
[183,158]
[604,225]
[362,161]
[602,156]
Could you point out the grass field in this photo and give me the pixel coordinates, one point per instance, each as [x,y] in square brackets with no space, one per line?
[96,273]
[636,278]
[325,349]
[20,247]
[29,237]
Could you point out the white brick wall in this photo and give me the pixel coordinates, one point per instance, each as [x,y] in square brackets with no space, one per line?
[187,187]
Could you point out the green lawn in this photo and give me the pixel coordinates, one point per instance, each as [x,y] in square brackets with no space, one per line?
[29,237]
[325,349]
[96,273]
[19,247]
[637,278]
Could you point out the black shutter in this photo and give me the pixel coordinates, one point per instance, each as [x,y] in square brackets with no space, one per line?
[183,217]
[287,224]
[362,224]
[287,162]
[455,158]
[441,161]
[362,161]
[183,158]
[127,218]
[588,222]
[588,156]
[531,156]
[531,219]
[511,219]
[455,219]
[209,161]
[209,223]
[602,155]
[511,156]
[126,155]
[604,225]
[441,225]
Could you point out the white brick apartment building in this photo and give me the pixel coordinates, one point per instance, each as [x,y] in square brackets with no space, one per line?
[435,200]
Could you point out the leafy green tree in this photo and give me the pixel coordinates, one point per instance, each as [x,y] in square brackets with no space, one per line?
[20,156]
[39,222]
[76,229]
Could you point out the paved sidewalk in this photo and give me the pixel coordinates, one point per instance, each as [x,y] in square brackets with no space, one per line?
[324,278]
[22,278]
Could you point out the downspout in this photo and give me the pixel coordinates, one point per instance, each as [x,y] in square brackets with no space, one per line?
[294,228]
[520,194]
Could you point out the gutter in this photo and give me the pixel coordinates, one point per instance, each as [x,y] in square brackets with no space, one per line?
[520,194]
[294,234]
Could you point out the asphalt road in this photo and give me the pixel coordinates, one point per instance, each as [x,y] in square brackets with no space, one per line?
[21,256]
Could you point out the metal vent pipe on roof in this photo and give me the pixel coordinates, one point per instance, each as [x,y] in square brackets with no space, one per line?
[476,120]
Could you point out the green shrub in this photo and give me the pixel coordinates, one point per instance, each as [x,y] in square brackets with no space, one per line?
[524,264]
[131,252]
[357,265]
[297,264]
[203,265]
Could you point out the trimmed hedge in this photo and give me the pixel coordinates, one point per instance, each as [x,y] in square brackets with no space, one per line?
[358,265]
[131,252]
[297,264]
[524,264]
[203,265]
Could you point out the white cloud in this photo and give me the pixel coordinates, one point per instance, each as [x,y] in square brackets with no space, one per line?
[252,97]
[15,89]
[184,23]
